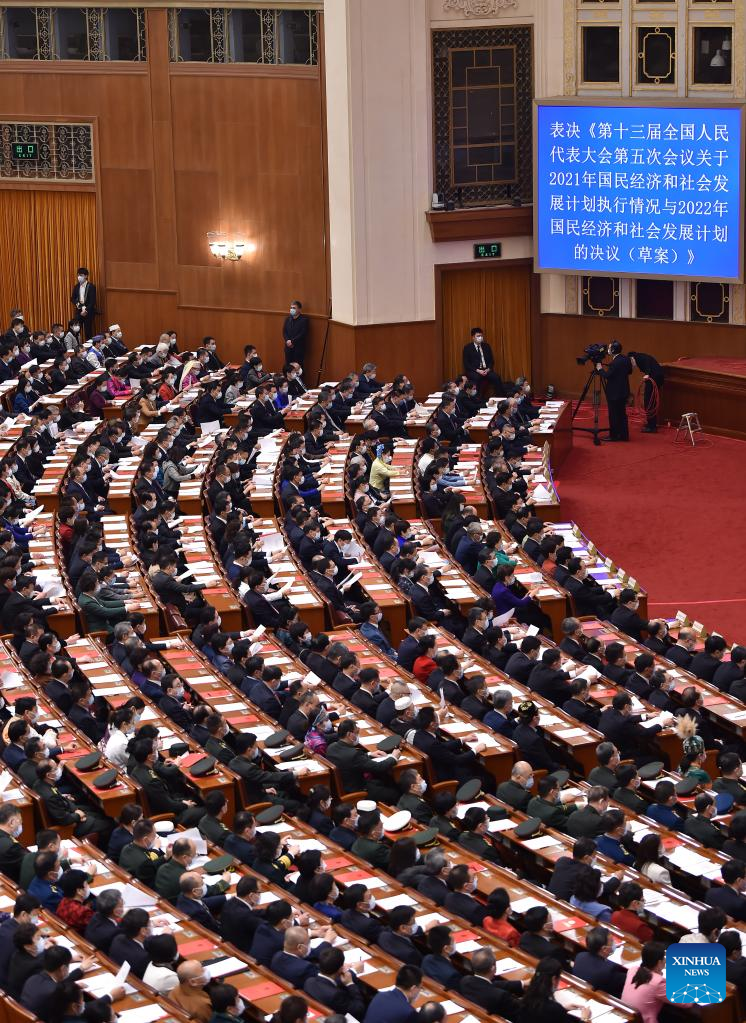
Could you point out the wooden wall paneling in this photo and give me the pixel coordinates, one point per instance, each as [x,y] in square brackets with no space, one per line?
[186,149]
[564,337]
[394,347]
[163,144]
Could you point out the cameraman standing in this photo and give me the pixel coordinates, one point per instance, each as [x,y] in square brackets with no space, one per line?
[616,375]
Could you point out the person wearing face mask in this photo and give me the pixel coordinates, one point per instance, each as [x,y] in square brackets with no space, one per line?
[227,1004]
[211,825]
[295,334]
[190,994]
[413,787]
[258,784]
[370,694]
[161,971]
[140,857]
[103,926]
[12,853]
[25,911]
[172,702]
[83,299]
[192,901]
[344,825]
[396,939]
[27,957]
[63,810]
[479,362]
[437,963]
[460,900]
[75,907]
[372,616]
[357,907]
[80,712]
[475,835]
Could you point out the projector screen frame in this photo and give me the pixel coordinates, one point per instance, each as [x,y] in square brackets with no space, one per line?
[651,104]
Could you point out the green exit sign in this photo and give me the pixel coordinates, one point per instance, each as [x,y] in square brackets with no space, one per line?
[25,150]
[488,250]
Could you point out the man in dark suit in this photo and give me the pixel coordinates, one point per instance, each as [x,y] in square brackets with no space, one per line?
[395,1005]
[616,376]
[729,896]
[25,908]
[295,334]
[434,885]
[524,660]
[83,298]
[706,662]
[437,963]
[409,648]
[335,985]
[626,618]
[497,997]
[103,926]
[592,964]
[699,824]
[734,670]
[129,945]
[292,962]
[548,678]
[396,939]
[357,903]
[653,377]
[191,901]
[12,853]
[240,916]
[621,727]
[735,963]
[269,935]
[479,362]
[730,779]
[537,936]
[566,869]
[682,651]
[461,883]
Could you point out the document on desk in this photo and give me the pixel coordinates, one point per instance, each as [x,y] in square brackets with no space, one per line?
[142,1014]
[225,966]
[506,965]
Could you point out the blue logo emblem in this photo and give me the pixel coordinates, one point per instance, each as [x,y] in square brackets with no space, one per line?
[695,974]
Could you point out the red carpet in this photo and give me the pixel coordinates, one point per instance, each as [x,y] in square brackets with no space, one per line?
[670,515]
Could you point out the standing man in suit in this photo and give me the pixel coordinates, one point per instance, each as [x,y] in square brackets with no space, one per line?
[616,375]
[295,334]
[83,298]
[479,362]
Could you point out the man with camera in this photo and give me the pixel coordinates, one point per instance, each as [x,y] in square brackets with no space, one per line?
[616,375]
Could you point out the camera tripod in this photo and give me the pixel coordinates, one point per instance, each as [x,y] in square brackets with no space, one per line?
[597,383]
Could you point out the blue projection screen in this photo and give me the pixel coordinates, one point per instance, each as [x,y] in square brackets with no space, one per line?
[633,189]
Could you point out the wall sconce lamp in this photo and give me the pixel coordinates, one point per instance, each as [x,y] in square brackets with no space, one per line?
[221,248]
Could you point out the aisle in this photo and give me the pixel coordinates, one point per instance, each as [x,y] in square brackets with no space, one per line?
[671,515]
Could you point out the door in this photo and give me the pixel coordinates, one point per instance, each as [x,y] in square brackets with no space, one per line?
[45,235]
[498,300]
